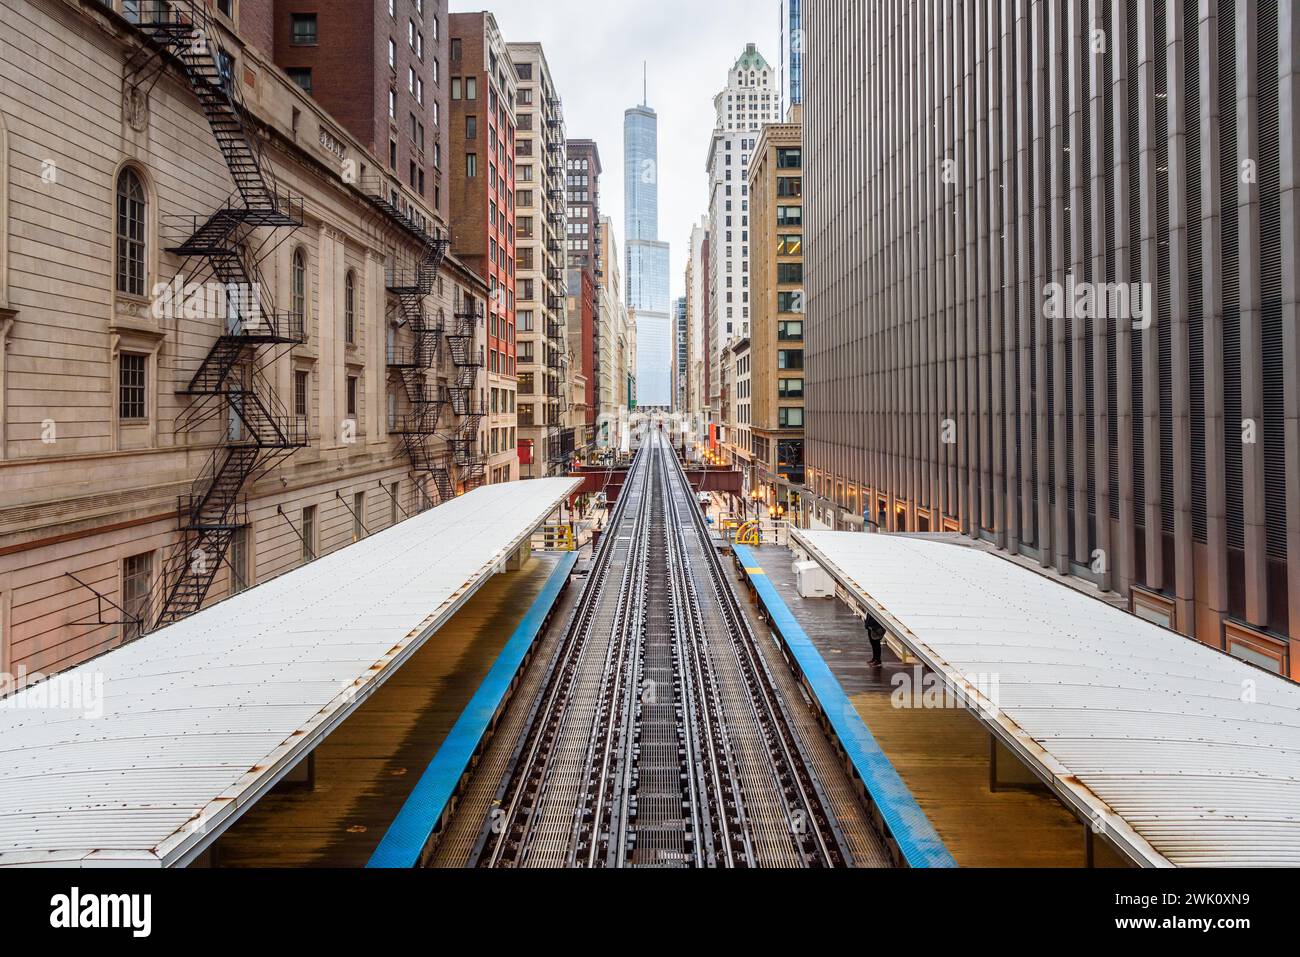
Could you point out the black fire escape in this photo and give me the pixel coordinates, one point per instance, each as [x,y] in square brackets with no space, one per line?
[409,286]
[230,386]
[559,438]
[466,401]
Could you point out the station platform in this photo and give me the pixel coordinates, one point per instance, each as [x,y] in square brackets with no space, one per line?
[1164,752]
[370,767]
[196,723]
[939,754]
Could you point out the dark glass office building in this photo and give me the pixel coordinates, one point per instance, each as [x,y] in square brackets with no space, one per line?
[1051,260]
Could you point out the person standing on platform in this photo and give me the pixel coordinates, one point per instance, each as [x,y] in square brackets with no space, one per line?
[875,635]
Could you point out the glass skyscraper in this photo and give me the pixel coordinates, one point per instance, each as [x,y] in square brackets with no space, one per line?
[648,289]
[792,46]
[641,173]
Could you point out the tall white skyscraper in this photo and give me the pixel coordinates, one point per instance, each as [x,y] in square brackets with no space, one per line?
[750,100]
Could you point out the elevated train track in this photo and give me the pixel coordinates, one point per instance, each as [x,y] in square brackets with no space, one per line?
[658,733]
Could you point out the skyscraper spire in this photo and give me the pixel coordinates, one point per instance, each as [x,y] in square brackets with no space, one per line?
[645,82]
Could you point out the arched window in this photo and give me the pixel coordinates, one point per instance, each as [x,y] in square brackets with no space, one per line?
[298,284]
[130,234]
[350,308]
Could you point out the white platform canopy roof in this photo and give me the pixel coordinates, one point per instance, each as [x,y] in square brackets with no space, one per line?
[201,718]
[1180,754]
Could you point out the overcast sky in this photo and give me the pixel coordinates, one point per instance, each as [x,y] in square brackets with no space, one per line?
[595,49]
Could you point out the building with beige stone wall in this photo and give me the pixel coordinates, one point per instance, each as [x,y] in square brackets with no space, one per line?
[545,381]
[618,344]
[777,340]
[116,405]
[737,407]
[697,359]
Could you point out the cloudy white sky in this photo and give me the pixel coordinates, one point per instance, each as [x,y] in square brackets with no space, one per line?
[595,49]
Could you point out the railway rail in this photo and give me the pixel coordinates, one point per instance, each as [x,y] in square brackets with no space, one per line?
[660,737]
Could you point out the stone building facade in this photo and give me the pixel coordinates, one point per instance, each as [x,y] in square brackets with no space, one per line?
[777,339]
[105,435]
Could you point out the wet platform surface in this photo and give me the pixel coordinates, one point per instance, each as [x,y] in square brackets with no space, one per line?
[367,768]
[942,754]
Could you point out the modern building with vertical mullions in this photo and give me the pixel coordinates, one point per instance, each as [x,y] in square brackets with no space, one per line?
[1056,307]
[648,289]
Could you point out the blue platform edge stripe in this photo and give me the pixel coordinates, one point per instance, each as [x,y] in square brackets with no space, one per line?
[917,839]
[410,831]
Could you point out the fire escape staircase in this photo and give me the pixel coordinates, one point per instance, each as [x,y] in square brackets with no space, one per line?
[467,358]
[228,386]
[559,439]
[409,289]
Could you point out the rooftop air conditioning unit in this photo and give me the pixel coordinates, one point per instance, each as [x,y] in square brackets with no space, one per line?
[814,581]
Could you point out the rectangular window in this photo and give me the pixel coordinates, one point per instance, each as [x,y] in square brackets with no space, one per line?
[789,273]
[789,158]
[789,245]
[137,586]
[300,394]
[358,516]
[240,578]
[789,216]
[789,302]
[352,395]
[350,310]
[789,187]
[394,498]
[309,533]
[789,330]
[790,388]
[132,390]
[303,29]
[302,76]
[471,165]
[791,418]
[789,359]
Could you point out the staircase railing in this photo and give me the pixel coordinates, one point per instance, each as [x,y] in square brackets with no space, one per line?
[410,283]
[258,433]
